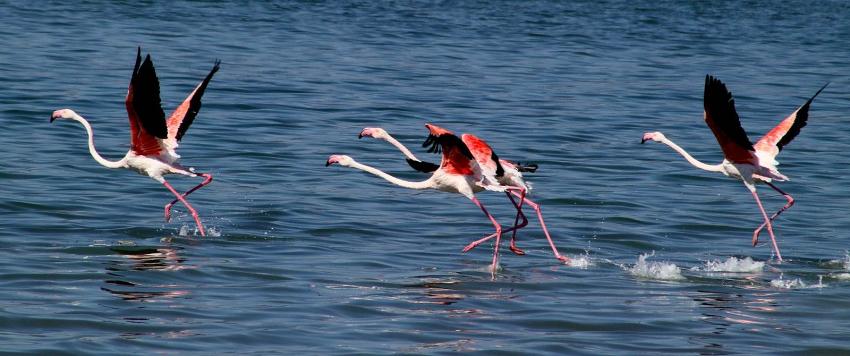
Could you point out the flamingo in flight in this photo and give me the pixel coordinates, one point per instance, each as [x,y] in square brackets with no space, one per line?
[458,173]
[153,138]
[743,160]
[511,176]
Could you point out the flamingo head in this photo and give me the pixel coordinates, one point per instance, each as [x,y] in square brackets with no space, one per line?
[375,132]
[654,136]
[342,160]
[66,114]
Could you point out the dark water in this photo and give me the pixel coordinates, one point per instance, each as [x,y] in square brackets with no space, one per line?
[329,260]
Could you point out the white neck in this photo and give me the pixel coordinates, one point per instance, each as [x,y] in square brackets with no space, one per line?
[691,159]
[401,147]
[400,182]
[97,157]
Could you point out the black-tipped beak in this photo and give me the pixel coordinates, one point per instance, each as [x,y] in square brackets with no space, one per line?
[360,135]
[51,119]
[642,141]
[327,163]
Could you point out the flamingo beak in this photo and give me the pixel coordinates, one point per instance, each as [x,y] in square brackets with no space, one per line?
[328,163]
[367,132]
[51,119]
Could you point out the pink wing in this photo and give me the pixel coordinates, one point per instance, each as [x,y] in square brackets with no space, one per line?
[721,117]
[147,120]
[456,156]
[484,155]
[782,134]
[183,115]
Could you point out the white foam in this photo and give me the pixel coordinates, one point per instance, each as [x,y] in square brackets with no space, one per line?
[655,270]
[795,283]
[735,265]
[580,261]
[184,231]
[787,283]
[842,276]
[187,230]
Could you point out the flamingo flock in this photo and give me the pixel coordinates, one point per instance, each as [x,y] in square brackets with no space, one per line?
[468,164]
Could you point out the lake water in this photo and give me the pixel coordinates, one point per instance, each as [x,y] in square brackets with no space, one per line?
[307,259]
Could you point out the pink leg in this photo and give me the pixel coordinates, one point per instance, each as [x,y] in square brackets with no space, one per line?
[787,205]
[199,186]
[536,208]
[191,209]
[517,224]
[498,235]
[766,221]
[484,239]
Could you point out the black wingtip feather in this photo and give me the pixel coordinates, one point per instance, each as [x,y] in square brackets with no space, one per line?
[531,167]
[195,103]
[800,121]
[500,171]
[719,104]
[437,144]
[146,100]
[421,166]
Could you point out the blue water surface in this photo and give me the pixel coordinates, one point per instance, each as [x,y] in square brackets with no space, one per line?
[307,259]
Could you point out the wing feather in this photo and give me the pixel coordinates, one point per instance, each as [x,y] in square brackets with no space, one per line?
[721,117]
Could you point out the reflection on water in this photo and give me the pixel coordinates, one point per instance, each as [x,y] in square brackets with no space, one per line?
[140,259]
[725,311]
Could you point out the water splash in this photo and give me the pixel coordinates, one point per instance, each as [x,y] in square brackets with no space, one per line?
[734,265]
[842,276]
[795,283]
[187,230]
[655,270]
[581,261]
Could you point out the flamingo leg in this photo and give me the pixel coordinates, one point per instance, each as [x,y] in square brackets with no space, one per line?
[484,239]
[188,206]
[536,208]
[199,186]
[517,226]
[498,235]
[752,189]
[787,205]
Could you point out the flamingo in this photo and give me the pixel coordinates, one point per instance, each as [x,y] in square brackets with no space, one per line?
[511,175]
[458,173]
[153,138]
[742,160]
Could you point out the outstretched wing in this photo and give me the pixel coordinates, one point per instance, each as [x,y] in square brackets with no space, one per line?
[456,156]
[183,115]
[144,109]
[484,155]
[721,117]
[789,128]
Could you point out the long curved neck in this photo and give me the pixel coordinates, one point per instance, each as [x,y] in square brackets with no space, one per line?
[97,157]
[691,159]
[425,184]
[401,147]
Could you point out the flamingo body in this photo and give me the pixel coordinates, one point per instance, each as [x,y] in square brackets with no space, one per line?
[509,176]
[153,138]
[458,173]
[742,160]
